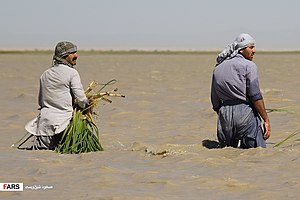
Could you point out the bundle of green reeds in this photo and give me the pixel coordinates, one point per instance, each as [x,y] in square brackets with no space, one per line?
[82,135]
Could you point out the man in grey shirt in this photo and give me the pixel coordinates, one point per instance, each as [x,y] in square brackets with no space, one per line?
[60,88]
[236,97]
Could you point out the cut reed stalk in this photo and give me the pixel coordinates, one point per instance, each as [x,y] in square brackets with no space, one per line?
[82,134]
[287,138]
[282,110]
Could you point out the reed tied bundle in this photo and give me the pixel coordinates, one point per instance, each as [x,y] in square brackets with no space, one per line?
[82,134]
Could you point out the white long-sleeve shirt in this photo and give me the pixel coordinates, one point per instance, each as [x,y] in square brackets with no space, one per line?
[58,86]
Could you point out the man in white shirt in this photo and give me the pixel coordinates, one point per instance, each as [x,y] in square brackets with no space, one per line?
[60,88]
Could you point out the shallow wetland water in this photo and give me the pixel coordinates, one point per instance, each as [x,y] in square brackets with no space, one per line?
[153,138]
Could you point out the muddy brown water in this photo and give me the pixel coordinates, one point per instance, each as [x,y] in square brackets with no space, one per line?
[153,139]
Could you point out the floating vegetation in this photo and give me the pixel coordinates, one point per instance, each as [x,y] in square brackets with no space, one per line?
[282,110]
[289,111]
[287,138]
[82,134]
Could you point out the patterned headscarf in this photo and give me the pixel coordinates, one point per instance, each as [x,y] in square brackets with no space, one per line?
[231,50]
[62,50]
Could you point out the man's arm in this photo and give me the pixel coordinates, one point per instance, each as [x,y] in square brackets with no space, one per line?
[215,101]
[78,91]
[260,107]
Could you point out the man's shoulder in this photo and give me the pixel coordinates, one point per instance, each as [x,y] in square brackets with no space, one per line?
[241,59]
[63,67]
[60,69]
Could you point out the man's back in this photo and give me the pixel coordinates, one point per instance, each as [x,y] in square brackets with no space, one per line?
[55,88]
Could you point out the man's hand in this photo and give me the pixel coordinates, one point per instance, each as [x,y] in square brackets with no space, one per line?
[260,107]
[267,128]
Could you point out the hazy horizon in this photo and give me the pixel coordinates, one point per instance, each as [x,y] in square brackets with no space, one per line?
[148,25]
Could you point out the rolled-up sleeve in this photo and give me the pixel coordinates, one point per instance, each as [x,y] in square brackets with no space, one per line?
[253,91]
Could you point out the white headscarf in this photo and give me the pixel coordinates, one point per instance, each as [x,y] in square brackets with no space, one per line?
[231,50]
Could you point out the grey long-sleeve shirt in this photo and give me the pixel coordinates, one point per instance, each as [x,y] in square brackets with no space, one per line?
[234,79]
[58,86]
